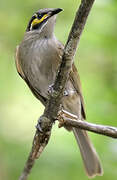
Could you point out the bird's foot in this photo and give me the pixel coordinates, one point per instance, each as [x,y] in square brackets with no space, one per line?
[50,89]
[44,124]
[62,115]
[38,126]
[60,118]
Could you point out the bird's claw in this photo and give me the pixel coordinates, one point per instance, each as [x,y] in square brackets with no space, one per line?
[50,89]
[38,126]
[65,114]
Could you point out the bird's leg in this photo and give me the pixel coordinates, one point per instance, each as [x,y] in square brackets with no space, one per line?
[62,114]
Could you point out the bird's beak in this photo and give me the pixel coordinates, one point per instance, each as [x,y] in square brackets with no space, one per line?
[55,11]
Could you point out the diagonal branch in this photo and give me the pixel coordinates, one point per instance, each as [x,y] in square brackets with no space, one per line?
[67,59]
[46,121]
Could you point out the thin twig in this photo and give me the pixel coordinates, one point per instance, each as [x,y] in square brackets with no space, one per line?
[96,128]
[53,105]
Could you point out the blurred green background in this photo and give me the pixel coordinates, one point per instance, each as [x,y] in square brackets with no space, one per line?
[19,109]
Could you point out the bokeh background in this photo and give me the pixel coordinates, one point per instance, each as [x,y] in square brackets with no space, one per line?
[96,60]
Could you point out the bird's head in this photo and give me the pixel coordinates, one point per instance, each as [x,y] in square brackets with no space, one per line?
[43,20]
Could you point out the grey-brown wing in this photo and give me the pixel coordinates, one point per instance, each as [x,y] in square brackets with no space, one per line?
[75,79]
[18,67]
[22,75]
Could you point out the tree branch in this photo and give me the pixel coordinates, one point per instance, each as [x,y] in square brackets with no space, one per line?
[46,121]
[96,128]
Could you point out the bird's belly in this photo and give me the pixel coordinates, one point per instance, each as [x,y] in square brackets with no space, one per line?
[42,77]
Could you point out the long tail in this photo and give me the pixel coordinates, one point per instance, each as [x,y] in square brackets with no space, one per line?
[89,155]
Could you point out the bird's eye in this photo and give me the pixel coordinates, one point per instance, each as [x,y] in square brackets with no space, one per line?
[40,16]
[36,20]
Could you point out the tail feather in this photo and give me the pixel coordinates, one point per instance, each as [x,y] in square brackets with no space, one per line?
[89,155]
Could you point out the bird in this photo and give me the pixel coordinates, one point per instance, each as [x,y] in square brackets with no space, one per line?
[37,59]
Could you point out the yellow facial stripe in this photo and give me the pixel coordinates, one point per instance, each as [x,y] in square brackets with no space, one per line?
[37,21]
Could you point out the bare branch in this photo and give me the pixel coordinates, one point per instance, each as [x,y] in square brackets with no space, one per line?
[53,105]
[39,142]
[96,128]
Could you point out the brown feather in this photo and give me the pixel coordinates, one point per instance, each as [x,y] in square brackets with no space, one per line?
[18,67]
[75,79]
